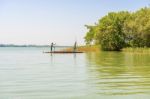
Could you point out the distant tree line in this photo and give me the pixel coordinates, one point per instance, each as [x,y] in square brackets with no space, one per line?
[13,45]
[121,29]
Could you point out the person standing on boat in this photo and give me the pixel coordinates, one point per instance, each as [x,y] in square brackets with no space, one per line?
[52,45]
[75,47]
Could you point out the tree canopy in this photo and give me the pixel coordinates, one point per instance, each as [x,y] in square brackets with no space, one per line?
[121,29]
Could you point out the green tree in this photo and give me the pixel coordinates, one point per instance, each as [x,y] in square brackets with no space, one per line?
[121,29]
[111,35]
[89,38]
[137,28]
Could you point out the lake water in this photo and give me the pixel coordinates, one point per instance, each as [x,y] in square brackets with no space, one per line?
[28,73]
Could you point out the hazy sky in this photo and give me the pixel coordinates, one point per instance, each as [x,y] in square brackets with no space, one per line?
[59,21]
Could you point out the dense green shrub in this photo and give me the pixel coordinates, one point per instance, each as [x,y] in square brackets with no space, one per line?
[121,29]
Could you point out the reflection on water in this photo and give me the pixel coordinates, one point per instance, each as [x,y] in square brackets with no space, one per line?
[120,73]
[27,73]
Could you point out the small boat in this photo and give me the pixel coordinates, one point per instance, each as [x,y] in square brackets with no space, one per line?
[63,52]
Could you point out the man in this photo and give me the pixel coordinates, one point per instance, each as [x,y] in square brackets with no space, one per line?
[52,45]
[75,47]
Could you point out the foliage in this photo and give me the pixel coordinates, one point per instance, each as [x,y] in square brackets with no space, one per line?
[89,38]
[121,29]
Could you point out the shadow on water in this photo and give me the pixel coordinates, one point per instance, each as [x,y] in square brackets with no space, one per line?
[119,73]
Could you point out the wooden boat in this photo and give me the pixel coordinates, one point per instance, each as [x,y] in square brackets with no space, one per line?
[63,52]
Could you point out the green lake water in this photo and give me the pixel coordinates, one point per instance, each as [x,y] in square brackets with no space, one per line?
[28,73]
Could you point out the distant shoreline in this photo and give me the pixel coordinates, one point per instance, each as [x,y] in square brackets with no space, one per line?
[13,45]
